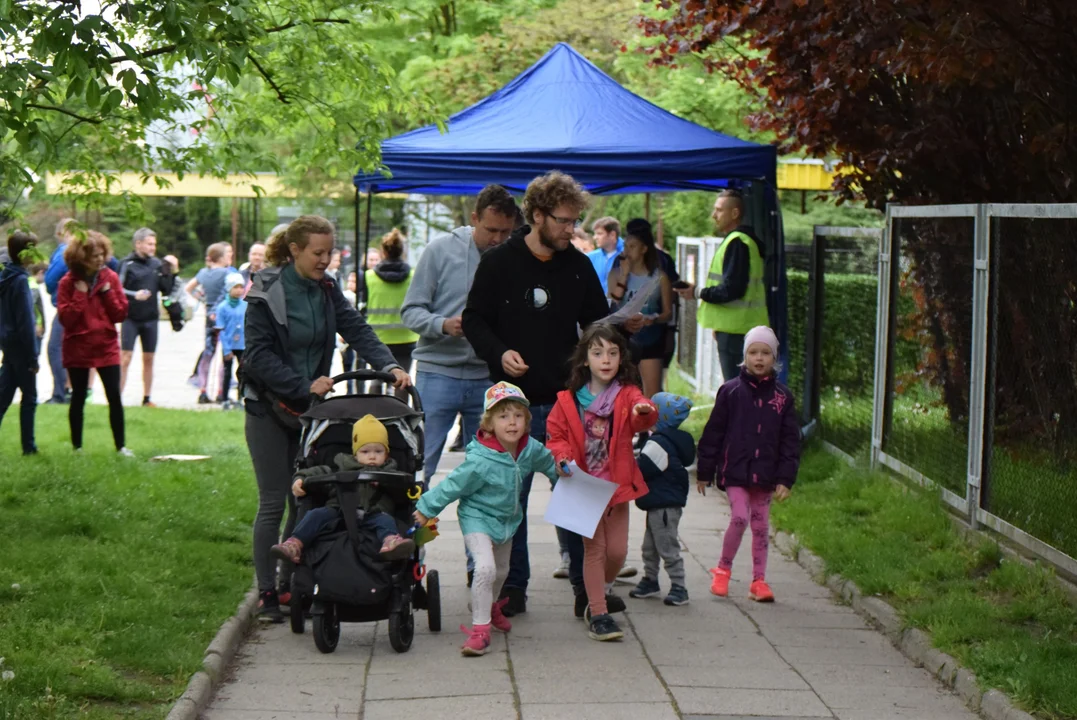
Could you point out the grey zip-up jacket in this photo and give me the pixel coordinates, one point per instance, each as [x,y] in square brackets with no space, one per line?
[266,363]
[438,291]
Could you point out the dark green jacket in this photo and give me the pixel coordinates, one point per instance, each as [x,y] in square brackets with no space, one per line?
[370,499]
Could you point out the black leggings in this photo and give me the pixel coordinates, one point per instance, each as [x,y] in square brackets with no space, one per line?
[226,379]
[80,381]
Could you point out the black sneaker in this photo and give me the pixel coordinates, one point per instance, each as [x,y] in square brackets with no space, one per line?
[604,628]
[203,399]
[517,604]
[645,588]
[678,595]
[580,608]
[269,608]
[614,603]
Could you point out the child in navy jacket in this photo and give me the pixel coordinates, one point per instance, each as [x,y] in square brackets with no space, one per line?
[751,444]
[664,461]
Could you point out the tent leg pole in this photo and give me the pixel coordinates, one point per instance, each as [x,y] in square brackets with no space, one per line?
[361,276]
[647,206]
[357,255]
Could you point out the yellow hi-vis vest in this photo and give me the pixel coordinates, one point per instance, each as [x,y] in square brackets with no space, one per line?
[739,316]
[383,309]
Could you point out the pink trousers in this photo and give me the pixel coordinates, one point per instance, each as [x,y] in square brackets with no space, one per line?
[604,556]
[750,506]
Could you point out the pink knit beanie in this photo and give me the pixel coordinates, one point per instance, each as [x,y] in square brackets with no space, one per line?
[761,334]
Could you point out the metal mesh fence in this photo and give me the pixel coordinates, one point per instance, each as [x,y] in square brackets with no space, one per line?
[847,340]
[1030,450]
[931,348]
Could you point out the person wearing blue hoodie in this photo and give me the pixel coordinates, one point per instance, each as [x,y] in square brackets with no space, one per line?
[664,461]
[65,230]
[18,340]
[230,314]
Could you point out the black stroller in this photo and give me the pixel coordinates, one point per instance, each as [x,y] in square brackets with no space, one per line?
[341,577]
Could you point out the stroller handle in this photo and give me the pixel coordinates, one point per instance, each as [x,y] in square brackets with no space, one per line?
[368,374]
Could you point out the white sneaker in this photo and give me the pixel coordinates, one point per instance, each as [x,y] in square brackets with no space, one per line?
[628,571]
[562,570]
[125,452]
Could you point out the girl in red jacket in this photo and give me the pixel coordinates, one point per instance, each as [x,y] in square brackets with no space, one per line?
[90,301]
[593,423]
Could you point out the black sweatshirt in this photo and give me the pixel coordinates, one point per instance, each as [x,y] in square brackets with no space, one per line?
[736,267]
[518,302]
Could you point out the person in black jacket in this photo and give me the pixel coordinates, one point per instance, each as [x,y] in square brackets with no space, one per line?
[664,462]
[17,338]
[529,297]
[143,277]
[294,313]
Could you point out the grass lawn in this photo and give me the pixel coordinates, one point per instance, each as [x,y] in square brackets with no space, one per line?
[118,572]
[1010,624]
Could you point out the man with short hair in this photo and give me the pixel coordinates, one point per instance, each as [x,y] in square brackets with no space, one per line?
[608,247]
[734,299]
[256,260]
[143,278]
[529,299]
[450,378]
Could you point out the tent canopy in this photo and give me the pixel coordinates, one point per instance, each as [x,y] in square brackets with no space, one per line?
[564,113]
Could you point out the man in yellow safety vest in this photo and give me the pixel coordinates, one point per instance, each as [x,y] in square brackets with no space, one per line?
[733,298]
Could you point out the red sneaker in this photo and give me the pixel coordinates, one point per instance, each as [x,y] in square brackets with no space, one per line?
[760,592]
[720,586]
[478,640]
[497,618]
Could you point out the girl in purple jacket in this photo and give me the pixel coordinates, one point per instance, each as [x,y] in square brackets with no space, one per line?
[752,446]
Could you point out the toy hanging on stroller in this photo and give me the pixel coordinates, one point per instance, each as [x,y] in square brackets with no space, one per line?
[341,578]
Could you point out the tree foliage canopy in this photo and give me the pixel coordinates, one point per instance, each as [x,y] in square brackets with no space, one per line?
[940,100]
[138,85]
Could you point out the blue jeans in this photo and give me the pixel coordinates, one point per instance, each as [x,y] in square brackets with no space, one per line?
[443,398]
[15,375]
[56,360]
[318,519]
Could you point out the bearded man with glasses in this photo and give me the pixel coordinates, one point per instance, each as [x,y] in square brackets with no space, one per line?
[530,297]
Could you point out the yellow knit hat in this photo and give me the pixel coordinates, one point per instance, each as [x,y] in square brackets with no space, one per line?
[368,430]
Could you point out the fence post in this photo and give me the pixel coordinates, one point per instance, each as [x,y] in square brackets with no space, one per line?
[814,327]
[994,290]
[977,380]
[883,323]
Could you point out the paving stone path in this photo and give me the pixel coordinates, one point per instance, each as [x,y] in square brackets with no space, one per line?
[802,657]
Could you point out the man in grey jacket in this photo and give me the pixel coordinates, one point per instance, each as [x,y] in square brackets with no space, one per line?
[450,378]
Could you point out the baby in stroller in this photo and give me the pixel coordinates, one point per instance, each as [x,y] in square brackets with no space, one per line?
[370,443]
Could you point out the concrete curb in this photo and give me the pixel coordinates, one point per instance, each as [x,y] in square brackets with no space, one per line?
[913,643]
[219,654]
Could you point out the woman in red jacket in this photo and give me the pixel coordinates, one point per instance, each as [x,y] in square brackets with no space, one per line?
[593,423]
[90,301]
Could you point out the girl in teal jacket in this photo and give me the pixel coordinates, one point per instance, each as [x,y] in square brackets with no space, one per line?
[487,484]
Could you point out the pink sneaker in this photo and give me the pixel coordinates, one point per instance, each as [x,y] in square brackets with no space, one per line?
[396,548]
[497,618]
[720,584]
[290,549]
[478,640]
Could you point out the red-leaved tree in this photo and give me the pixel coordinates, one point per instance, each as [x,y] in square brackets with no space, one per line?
[931,101]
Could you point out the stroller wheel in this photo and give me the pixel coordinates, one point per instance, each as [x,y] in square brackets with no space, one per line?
[433,601]
[296,614]
[401,625]
[327,629]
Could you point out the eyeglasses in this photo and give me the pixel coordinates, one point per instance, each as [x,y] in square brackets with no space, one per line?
[575,222]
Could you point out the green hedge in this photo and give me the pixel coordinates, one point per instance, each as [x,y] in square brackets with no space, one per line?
[848,333]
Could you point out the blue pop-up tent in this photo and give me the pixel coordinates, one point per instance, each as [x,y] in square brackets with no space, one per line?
[563,113]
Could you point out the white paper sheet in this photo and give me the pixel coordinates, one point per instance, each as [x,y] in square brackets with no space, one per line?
[578,501]
[635,303]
